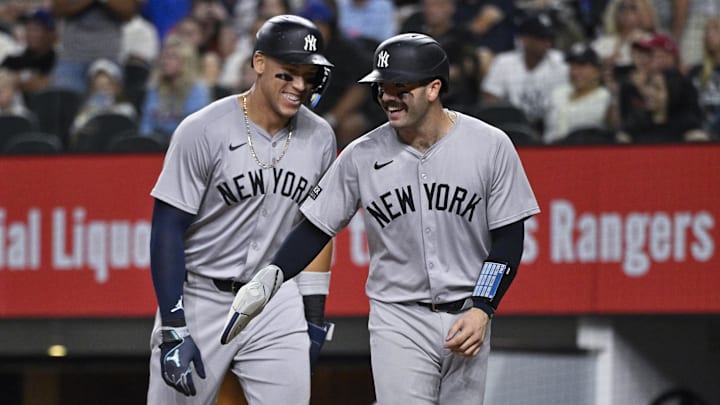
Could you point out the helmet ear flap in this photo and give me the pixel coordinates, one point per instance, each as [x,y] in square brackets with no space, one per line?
[322,79]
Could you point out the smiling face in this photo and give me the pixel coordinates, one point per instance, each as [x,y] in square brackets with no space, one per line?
[406,104]
[285,86]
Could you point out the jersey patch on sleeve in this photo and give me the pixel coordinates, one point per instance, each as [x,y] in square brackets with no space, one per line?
[315,192]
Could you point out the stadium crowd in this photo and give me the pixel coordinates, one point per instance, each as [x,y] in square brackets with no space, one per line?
[119,75]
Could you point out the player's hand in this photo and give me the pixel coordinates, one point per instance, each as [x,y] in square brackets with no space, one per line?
[250,300]
[467,334]
[177,351]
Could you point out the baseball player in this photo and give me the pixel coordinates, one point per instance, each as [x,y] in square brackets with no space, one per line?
[443,197]
[230,189]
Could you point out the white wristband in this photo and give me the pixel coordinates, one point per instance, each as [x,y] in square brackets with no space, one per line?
[313,282]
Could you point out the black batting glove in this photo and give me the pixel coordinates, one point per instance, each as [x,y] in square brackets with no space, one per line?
[177,351]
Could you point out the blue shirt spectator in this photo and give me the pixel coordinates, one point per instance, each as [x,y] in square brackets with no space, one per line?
[176,89]
[164,14]
[373,19]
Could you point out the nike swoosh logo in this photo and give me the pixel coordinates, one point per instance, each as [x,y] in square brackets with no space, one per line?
[233,147]
[379,166]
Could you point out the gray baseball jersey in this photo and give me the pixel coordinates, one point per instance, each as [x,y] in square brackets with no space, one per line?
[242,214]
[242,211]
[427,215]
[427,218]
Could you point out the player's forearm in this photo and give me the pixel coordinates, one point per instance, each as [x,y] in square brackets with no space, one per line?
[167,259]
[299,249]
[314,285]
[507,247]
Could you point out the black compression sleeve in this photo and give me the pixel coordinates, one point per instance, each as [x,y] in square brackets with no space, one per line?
[167,259]
[300,248]
[507,243]
[314,308]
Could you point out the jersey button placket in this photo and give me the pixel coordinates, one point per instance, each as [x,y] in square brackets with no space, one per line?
[429,226]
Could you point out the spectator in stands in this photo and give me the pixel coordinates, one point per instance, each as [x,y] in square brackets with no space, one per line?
[91,30]
[705,76]
[526,76]
[190,30]
[665,113]
[165,14]
[211,15]
[491,25]
[236,45]
[566,25]
[176,89]
[436,19]
[370,20]
[35,62]
[345,101]
[664,52]
[589,15]
[271,8]
[582,103]
[624,82]
[104,95]
[228,52]
[665,55]
[11,100]
[684,21]
[624,22]
[237,73]
[140,44]
[10,13]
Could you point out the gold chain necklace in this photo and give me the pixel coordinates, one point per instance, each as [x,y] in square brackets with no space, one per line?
[250,142]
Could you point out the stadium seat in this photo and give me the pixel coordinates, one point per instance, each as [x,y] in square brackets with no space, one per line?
[33,143]
[589,136]
[135,78]
[136,144]
[98,131]
[11,124]
[500,113]
[521,134]
[55,109]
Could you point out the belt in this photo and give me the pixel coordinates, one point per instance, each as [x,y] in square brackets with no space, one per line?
[231,286]
[451,307]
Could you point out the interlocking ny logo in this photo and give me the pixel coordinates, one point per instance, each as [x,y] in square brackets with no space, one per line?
[383,58]
[310,43]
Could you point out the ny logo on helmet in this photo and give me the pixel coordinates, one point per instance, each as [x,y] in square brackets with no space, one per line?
[310,43]
[383,58]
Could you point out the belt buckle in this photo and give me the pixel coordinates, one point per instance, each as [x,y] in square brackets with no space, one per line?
[434,307]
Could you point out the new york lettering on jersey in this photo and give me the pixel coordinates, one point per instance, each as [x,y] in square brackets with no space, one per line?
[252,183]
[439,197]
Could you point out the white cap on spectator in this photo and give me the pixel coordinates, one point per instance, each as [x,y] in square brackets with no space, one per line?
[140,41]
[109,67]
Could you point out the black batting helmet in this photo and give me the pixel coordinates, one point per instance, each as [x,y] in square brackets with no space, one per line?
[408,58]
[295,40]
[291,39]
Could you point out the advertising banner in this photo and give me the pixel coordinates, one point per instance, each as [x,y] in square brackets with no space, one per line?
[623,230]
